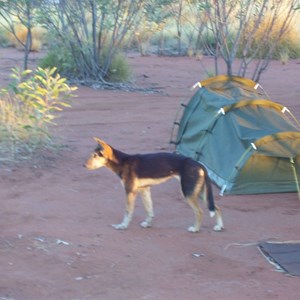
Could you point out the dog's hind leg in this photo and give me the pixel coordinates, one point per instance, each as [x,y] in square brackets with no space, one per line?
[147,201]
[192,184]
[219,226]
[131,196]
[193,202]
[216,212]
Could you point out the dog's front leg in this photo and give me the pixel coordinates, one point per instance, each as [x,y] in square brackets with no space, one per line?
[131,196]
[147,201]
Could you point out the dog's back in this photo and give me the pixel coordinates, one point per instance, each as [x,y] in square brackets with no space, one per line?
[157,165]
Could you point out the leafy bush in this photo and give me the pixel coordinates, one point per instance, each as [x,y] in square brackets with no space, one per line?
[28,108]
[69,63]
[62,60]
[119,69]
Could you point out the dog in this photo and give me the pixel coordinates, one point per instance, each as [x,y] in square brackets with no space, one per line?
[141,171]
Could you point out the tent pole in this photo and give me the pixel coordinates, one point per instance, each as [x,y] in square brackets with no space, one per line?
[295,175]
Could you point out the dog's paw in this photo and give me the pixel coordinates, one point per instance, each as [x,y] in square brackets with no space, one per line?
[120,226]
[193,229]
[218,228]
[145,224]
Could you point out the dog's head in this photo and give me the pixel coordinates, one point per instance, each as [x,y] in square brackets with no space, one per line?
[101,155]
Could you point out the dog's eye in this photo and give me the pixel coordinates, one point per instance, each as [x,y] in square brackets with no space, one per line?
[97,154]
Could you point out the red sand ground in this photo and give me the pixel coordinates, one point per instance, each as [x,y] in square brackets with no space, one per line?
[56,241]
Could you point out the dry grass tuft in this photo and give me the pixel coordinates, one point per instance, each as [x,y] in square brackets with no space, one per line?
[21,33]
[268,35]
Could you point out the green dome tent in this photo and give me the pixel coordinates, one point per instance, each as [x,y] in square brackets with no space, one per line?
[249,145]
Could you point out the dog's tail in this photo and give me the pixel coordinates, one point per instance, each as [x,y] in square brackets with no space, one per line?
[209,196]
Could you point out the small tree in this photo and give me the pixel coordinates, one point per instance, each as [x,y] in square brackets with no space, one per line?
[235,25]
[157,15]
[177,10]
[14,12]
[92,31]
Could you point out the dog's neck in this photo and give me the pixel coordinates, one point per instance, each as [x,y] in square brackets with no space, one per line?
[115,163]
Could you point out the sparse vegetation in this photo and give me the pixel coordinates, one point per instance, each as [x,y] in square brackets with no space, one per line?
[90,34]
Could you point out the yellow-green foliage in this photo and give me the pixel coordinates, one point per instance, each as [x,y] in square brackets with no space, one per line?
[27,108]
[21,33]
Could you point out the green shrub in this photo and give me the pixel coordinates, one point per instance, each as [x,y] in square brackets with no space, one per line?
[28,108]
[61,59]
[119,69]
[72,65]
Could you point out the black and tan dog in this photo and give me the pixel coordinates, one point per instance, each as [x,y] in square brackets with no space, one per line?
[140,171]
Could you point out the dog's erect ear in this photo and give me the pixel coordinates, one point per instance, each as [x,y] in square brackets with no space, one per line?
[99,142]
[106,149]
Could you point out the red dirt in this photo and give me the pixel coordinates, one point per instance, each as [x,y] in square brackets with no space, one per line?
[56,241]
